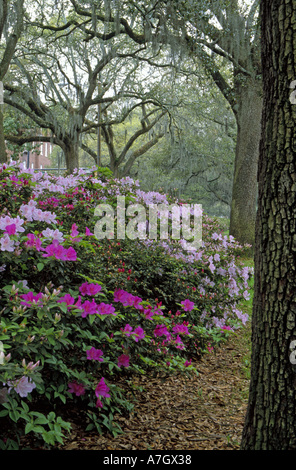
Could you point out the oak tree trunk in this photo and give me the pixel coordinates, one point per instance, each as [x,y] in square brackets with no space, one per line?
[3,156]
[244,191]
[71,151]
[271,416]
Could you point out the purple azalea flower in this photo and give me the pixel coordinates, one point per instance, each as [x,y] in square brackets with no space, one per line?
[187,305]
[94,354]
[123,360]
[138,333]
[76,388]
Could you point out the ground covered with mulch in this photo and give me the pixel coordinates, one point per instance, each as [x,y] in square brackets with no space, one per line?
[204,412]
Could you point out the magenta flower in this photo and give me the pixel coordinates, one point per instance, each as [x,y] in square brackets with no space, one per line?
[89,308]
[70,254]
[161,330]
[93,289]
[38,244]
[31,299]
[83,288]
[148,313]
[33,242]
[74,231]
[94,354]
[101,391]
[179,343]
[60,252]
[31,239]
[99,404]
[105,309]
[10,229]
[68,299]
[88,232]
[187,305]
[89,289]
[128,330]
[78,303]
[77,389]
[50,251]
[138,333]
[123,360]
[128,299]
[137,301]
[181,329]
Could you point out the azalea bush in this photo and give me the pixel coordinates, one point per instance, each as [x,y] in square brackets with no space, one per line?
[79,316]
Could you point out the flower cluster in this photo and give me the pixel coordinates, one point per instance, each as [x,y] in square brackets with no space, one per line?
[89,310]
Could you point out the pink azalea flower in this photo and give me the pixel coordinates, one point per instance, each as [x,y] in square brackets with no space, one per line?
[30,299]
[59,252]
[120,295]
[123,360]
[128,330]
[89,289]
[138,333]
[83,288]
[70,254]
[10,229]
[137,301]
[68,299]
[105,309]
[128,299]
[50,251]
[77,389]
[74,231]
[94,354]
[148,313]
[89,308]
[187,305]
[99,404]
[179,343]
[88,232]
[161,330]
[93,289]
[102,389]
[181,329]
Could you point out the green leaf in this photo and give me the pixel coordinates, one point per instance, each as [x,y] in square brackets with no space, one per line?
[29,427]
[40,266]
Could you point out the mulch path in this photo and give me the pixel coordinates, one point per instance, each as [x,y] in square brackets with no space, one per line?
[205,412]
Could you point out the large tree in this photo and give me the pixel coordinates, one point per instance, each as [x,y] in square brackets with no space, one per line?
[225,28]
[11,26]
[206,30]
[58,83]
[271,416]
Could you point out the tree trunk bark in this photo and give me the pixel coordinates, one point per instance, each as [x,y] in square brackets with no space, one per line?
[3,155]
[71,151]
[270,422]
[244,192]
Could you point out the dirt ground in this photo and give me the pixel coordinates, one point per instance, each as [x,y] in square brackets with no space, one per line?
[205,412]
